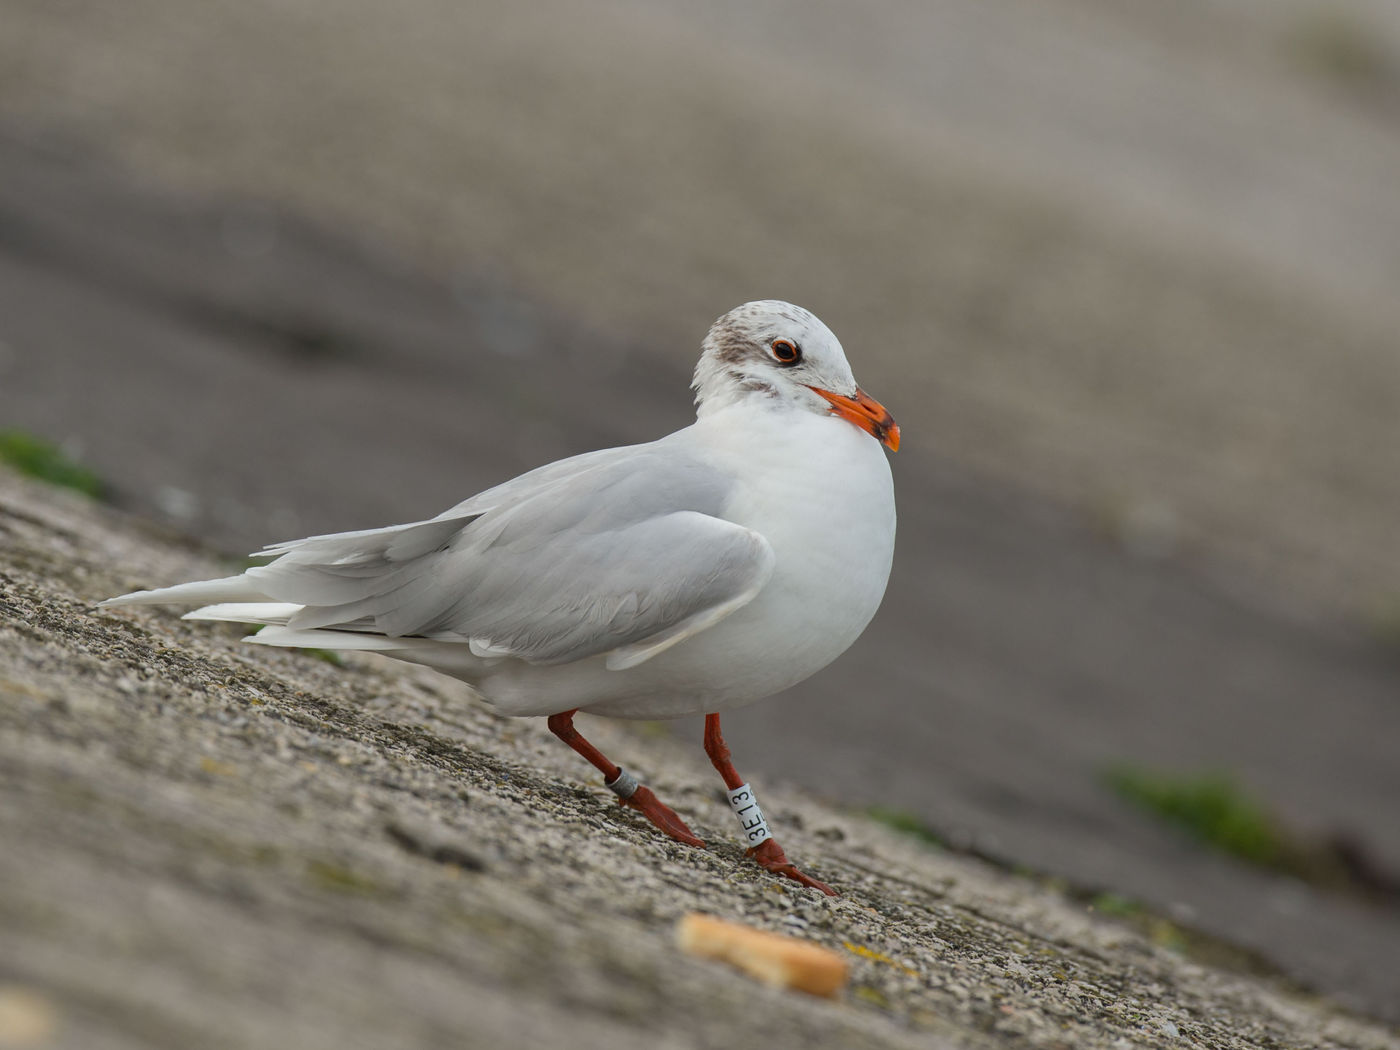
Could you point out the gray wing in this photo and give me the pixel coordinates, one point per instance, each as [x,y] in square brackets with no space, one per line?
[618,552]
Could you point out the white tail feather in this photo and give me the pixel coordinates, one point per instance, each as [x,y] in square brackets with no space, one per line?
[201,592]
[290,638]
[246,612]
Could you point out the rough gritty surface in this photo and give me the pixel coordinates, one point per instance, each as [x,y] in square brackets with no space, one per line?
[1140,258]
[1018,650]
[1137,255]
[208,844]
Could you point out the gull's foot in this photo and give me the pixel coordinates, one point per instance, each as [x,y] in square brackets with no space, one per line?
[660,814]
[770,857]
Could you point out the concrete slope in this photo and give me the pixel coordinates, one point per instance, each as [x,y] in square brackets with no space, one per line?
[248,377]
[212,846]
[1140,256]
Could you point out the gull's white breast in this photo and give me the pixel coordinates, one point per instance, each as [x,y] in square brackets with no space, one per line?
[820,491]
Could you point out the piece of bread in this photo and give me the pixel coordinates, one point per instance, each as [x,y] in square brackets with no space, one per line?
[775,959]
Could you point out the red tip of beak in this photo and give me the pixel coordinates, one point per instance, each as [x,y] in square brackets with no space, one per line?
[865,412]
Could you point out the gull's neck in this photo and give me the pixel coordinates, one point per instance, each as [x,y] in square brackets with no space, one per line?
[719,386]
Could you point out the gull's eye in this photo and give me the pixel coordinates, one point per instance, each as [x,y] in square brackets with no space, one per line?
[785,351]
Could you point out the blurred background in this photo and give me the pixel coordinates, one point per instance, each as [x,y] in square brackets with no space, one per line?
[1125,272]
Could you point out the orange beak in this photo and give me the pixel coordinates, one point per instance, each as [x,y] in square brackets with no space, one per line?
[865,412]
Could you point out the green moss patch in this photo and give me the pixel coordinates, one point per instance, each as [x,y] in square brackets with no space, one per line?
[1214,809]
[46,461]
[1210,806]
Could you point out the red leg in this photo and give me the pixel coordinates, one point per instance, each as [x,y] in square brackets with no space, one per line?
[629,792]
[768,854]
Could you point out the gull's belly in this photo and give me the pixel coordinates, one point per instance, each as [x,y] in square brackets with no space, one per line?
[831,523]
[830,519]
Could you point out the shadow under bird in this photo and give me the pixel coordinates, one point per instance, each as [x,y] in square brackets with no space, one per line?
[693,574]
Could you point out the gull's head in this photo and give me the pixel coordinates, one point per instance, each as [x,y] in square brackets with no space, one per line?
[772,350]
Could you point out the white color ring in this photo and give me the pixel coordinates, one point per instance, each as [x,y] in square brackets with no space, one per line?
[745,806]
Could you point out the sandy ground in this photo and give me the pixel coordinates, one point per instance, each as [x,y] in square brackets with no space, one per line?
[212,846]
[1122,274]
[1018,652]
[1142,261]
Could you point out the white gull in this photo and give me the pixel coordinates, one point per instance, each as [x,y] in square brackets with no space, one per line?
[693,574]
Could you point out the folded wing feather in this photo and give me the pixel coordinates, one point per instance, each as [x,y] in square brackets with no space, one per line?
[623,555]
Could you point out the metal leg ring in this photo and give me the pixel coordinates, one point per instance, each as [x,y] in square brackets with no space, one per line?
[624,786]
